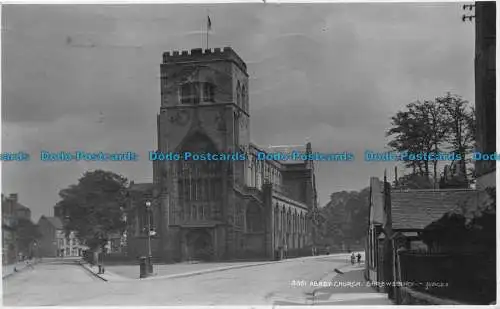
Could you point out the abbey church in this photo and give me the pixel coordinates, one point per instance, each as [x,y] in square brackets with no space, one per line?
[216,210]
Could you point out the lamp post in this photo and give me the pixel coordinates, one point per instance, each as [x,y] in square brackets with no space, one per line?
[148,208]
[149,264]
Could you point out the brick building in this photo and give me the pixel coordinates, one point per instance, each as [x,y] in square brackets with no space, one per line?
[12,212]
[485,80]
[217,209]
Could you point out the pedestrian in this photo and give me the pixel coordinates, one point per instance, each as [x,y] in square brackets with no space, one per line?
[327,250]
[29,265]
[359,258]
[353,258]
[286,251]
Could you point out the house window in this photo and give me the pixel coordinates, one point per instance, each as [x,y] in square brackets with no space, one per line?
[190,93]
[208,92]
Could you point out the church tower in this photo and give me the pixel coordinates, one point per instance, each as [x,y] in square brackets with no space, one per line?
[204,109]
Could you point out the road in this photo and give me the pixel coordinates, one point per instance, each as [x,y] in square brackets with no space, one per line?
[70,285]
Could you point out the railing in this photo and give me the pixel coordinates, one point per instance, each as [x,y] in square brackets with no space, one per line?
[466,277]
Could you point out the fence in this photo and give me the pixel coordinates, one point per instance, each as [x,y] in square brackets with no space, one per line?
[465,277]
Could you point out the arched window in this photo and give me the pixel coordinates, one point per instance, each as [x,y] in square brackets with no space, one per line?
[190,93]
[254,218]
[283,220]
[288,222]
[208,92]
[276,219]
[238,94]
[199,182]
[244,103]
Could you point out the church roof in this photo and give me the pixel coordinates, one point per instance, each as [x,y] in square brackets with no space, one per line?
[141,187]
[285,149]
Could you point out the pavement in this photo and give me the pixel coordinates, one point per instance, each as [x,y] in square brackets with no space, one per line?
[11,269]
[274,283]
[349,288]
[179,270]
[62,284]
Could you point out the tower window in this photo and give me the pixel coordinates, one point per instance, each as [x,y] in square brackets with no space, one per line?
[238,95]
[190,93]
[244,98]
[208,92]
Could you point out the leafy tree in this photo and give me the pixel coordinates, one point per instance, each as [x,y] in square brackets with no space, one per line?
[95,207]
[408,131]
[346,217]
[434,116]
[460,120]
[447,122]
[26,234]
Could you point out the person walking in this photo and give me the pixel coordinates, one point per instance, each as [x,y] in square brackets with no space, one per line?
[29,265]
[353,258]
[286,251]
[359,258]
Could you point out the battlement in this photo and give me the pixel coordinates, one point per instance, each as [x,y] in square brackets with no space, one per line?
[198,54]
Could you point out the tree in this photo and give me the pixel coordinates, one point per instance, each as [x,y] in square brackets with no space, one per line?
[95,207]
[438,128]
[447,122]
[346,217]
[461,124]
[27,234]
[413,131]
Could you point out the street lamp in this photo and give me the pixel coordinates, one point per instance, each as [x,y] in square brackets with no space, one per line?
[148,208]
[150,233]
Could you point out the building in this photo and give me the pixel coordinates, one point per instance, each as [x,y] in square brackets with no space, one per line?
[240,207]
[401,215]
[12,208]
[116,243]
[54,242]
[12,212]
[485,80]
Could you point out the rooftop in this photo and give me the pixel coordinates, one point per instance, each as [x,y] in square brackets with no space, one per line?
[54,221]
[199,54]
[415,209]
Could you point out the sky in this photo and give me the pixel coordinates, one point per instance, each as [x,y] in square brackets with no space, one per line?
[87,77]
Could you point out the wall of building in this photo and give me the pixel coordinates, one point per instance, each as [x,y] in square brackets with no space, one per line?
[485,84]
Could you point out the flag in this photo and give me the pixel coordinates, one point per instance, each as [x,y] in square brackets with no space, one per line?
[209,23]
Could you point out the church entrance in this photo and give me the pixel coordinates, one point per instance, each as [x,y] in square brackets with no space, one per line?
[199,245]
